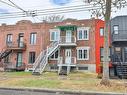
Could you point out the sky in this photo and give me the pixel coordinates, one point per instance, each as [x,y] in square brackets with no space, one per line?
[29,5]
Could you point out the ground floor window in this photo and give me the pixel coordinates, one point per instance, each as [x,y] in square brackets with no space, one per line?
[54,56]
[7,59]
[83,53]
[32,57]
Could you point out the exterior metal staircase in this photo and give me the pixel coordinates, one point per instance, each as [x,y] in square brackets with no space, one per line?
[121,67]
[42,60]
[5,53]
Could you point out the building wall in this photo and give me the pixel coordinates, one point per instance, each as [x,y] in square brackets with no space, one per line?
[99,40]
[43,39]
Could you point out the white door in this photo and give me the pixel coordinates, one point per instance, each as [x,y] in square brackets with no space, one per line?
[68,56]
[68,35]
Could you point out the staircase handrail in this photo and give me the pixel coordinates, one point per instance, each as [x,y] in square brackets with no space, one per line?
[51,46]
[38,59]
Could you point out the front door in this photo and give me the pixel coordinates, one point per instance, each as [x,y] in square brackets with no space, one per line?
[68,56]
[19,59]
[20,43]
[68,35]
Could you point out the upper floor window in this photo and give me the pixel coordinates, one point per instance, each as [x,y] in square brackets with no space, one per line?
[116,29]
[32,57]
[83,33]
[101,31]
[83,53]
[54,34]
[33,37]
[9,38]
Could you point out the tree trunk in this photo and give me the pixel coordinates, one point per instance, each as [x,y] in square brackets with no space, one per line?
[105,79]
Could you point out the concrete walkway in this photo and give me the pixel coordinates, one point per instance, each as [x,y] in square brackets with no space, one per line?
[34,91]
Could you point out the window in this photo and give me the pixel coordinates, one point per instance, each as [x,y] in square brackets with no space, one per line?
[54,35]
[32,57]
[83,33]
[101,31]
[54,56]
[33,37]
[101,54]
[82,68]
[6,59]
[83,53]
[9,38]
[116,29]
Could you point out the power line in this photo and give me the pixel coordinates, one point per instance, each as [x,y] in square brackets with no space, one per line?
[49,13]
[16,6]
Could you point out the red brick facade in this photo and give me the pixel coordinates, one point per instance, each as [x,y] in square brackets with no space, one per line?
[43,40]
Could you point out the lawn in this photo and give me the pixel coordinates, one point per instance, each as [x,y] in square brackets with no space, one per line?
[75,81]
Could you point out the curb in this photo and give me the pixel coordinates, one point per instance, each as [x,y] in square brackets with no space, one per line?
[58,91]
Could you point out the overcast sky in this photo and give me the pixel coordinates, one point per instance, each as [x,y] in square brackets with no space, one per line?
[47,4]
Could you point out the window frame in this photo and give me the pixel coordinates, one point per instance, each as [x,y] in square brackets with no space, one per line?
[31,57]
[34,40]
[83,29]
[54,55]
[57,36]
[82,49]
[8,37]
[101,32]
[116,31]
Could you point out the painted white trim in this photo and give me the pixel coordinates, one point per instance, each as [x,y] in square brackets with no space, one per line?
[82,29]
[83,48]
[54,30]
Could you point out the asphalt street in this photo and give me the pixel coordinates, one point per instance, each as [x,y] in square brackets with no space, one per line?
[40,92]
[18,92]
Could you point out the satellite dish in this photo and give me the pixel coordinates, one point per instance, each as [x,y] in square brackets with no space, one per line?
[60,2]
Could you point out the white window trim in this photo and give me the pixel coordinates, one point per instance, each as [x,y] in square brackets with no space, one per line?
[35,40]
[82,28]
[83,48]
[116,31]
[54,54]
[101,32]
[54,30]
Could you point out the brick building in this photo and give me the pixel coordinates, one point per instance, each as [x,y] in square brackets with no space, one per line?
[62,46]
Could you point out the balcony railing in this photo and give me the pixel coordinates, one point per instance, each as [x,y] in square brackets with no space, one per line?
[121,36]
[63,61]
[16,45]
[66,40]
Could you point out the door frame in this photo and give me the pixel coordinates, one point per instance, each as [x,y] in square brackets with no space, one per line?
[68,38]
[18,58]
[68,58]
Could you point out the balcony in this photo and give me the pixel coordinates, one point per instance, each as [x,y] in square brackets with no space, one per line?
[16,45]
[121,36]
[71,61]
[67,41]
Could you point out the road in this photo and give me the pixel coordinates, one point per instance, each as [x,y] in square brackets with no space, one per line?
[39,92]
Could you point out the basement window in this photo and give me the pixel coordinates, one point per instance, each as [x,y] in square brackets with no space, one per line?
[82,68]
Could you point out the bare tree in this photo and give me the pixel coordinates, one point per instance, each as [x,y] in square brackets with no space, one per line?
[104,9]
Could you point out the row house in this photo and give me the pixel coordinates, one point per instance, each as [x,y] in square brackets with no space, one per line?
[59,46]
[119,46]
